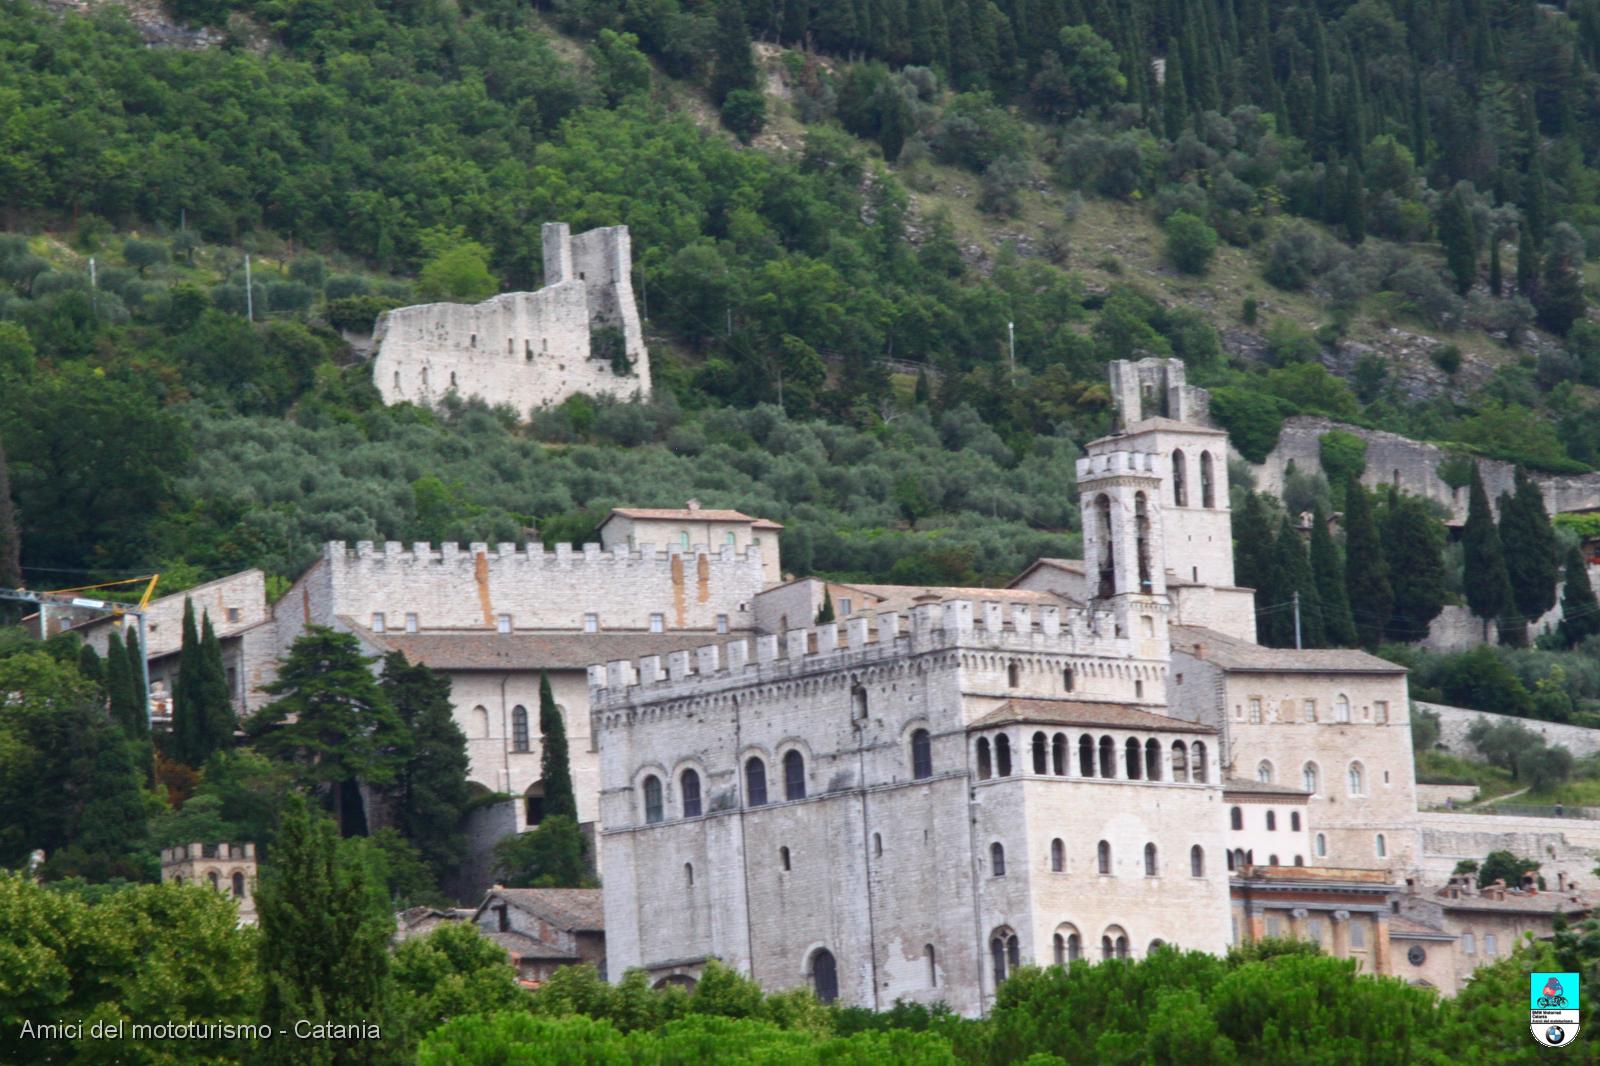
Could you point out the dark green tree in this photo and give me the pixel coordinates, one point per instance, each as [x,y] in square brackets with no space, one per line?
[1580,613]
[1174,101]
[1413,545]
[214,694]
[554,766]
[1532,556]
[91,666]
[332,723]
[1505,866]
[1559,298]
[733,63]
[430,789]
[825,612]
[551,856]
[122,690]
[1527,261]
[1294,577]
[1339,629]
[202,710]
[1488,588]
[325,929]
[1366,571]
[10,536]
[138,722]
[1355,204]
[1459,238]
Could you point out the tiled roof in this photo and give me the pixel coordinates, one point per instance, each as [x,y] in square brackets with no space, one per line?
[1262,788]
[1074,712]
[1162,422]
[905,597]
[564,650]
[684,514]
[1403,928]
[1231,653]
[522,946]
[569,909]
[1517,902]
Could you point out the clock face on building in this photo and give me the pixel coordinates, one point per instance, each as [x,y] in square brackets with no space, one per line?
[1416,955]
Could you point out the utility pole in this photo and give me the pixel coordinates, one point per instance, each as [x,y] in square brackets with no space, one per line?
[1011,340]
[94,288]
[1297,620]
[249,293]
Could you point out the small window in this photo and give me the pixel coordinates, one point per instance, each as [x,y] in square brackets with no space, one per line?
[688,874]
[1341,709]
[658,622]
[503,914]
[1294,821]
[1067,680]
[453,376]
[519,728]
[722,623]
[858,702]
[730,540]
[1148,621]
[683,541]
[652,800]
[1381,846]
[591,623]
[1311,778]
[794,776]
[510,348]
[1380,711]
[1197,861]
[877,845]
[1321,846]
[921,755]
[1272,860]
[783,858]
[689,788]
[1469,944]
[1299,860]
[1357,779]
[985,767]
[502,623]
[411,621]
[1013,675]
[1151,866]
[1264,772]
[1002,755]
[1138,689]
[1490,946]
[1236,818]
[213,879]
[1272,821]
[1103,857]
[1255,710]
[1358,934]
[844,605]
[233,614]
[1058,856]
[377,621]
[997,859]
[755,783]
[933,965]
[1309,710]
[473,343]
[238,886]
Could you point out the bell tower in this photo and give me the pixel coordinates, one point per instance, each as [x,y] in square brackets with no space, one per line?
[1119,493]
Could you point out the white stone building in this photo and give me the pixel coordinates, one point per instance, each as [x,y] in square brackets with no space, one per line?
[527,349]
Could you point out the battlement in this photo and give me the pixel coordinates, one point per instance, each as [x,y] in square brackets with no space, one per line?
[532,553]
[860,641]
[1110,464]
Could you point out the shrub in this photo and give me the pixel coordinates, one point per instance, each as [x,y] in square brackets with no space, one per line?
[1290,343]
[1248,312]
[1446,357]
[1252,419]
[1296,255]
[744,113]
[1190,242]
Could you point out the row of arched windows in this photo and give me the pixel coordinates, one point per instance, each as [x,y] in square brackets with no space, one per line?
[1052,756]
[1239,858]
[1180,479]
[691,804]
[1005,949]
[214,880]
[1103,863]
[1311,776]
[1236,820]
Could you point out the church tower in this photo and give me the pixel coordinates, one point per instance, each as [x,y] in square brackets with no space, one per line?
[1119,493]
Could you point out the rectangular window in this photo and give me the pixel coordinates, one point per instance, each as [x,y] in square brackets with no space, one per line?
[503,624]
[730,541]
[377,621]
[844,605]
[1469,944]
[1238,712]
[722,623]
[233,614]
[658,623]
[1358,934]
[1255,709]
[1489,945]
[411,621]
[683,541]
[1310,708]
[1380,711]
[591,623]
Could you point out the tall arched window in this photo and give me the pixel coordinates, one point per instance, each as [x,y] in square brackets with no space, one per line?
[1086,756]
[1341,708]
[1002,755]
[214,880]
[1133,759]
[1236,818]
[1058,755]
[1108,563]
[755,782]
[824,976]
[1152,759]
[1068,681]
[1197,861]
[933,965]
[688,875]
[1264,772]
[1005,953]
[1197,762]
[1108,757]
[1180,490]
[1070,943]
[1382,846]
[1013,675]
[519,728]
[921,755]
[1180,761]
[1358,779]
[1058,856]
[480,721]
[652,799]
[238,886]
[997,859]
[794,776]
[1103,856]
[689,789]
[1322,846]
[1141,539]
[1208,492]
[1272,821]
[1310,778]
[1061,949]
[1041,753]
[984,769]
[858,702]
[1294,821]
[1152,866]
[1114,944]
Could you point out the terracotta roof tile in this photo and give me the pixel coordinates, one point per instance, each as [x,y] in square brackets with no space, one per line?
[1075,712]
[1230,653]
[681,514]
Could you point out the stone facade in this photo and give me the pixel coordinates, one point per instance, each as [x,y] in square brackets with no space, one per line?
[228,868]
[1485,925]
[528,349]
[1345,911]
[544,929]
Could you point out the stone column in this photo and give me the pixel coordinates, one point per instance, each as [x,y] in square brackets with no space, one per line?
[1340,935]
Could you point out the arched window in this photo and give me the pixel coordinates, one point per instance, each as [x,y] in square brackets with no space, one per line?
[1086,756]
[1067,680]
[1180,761]
[1152,759]
[238,885]
[1108,565]
[1310,778]
[1272,860]
[858,702]
[1061,949]
[519,728]
[1272,821]
[824,976]
[1382,846]
[1240,859]
[1069,944]
[424,379]
[1103,857]
[1108,757]
[1294,821]
[997,859]
[1114,944]
[1151,866]
[1005,952]
[213,879]
[1002,755]
[794,776]
[1041,754]
[1155,945]
[689,789]
[877,845]
[921,755]
[652,799]
[1341,708]
[984,770]
[755,782]
[1299,860]
[1013,675]
[1322,846]
[1358,779]
[1208,491]
[1058,856]
[1058,755]
[480,721]
[1133,759]
[783,858]
[1197,762]
[1236,818]
[933,965]
[688,874]
[1264,772]
[1197,861]
[1180,490]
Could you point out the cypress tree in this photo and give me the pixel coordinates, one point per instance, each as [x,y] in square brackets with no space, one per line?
[1366,571]
[1580,613]
[1496,279]
[554,767]
[1535,197]
[1419,120]
[1174,104]
[1323,133]
[91,666]
[217,725]
[825,612]
[139,719]
[1255,557]
[1459,237]
[120,687]
[1559,298]
[431,793]
[1413,544]
[187,711]
[735,64]
[1487,587]
[1295,576]
[10,536]
[111,828]
[1533,559]
[1339,629]
[325,927]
